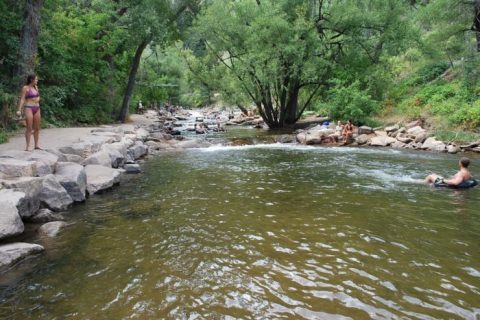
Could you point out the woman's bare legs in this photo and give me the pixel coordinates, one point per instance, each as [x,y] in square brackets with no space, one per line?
[28,129]
[36,128]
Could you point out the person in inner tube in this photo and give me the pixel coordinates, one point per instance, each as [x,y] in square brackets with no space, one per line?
[461,176]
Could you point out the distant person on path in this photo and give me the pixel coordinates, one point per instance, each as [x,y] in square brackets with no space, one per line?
[30,105]
[461,176]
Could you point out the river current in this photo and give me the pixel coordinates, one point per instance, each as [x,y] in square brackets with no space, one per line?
[267,231]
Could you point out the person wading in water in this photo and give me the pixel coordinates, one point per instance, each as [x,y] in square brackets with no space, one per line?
[30,105]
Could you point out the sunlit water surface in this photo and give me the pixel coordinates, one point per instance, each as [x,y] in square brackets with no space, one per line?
[267,231]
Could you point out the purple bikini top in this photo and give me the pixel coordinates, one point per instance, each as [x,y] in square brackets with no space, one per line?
[32,94]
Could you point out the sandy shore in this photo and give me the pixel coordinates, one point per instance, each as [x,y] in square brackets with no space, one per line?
[58,137]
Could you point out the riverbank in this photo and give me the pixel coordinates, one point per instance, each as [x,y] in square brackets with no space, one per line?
[75,163]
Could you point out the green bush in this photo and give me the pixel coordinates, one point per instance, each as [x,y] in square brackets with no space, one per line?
[3,136]
[350,102]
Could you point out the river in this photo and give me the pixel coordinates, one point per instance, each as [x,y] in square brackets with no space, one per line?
[266,231]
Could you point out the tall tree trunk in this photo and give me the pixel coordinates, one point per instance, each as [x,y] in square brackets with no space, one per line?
[29,39]
[131,81]
[476,23]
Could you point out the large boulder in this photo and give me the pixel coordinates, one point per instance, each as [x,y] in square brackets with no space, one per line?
[417,130]
[17,168]
[398,145]
[314,136]
[101,178]
[30,187]
[73,178]
[117,152]
[142,134]
[13,252]
[10,222]
[433,145]
[53,195]
[51,229]
[451,148]
[364,130]
[362,139]
[381,133]
[393,128]
[73,158]
[45,215]
[404,138]
[382,141]
[82,149]
[44,161]
[137,150]
[101,157]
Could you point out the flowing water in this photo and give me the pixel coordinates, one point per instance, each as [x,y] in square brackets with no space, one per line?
[263,232]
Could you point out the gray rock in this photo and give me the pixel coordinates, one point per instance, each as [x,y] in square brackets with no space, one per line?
[398,145]
[45,215]
[13,252]
[285,138]
[128,129]
[61,156]
[417,130]
[73,158]
[117,153]
[392,128]
[82,149]
[433,145]
[98,141]
[10,222]
[382,141]
[20,200]
[116,136]
[53,195]
[404,138]
[101,158]
[101,178]
[137,150]
[30,187]
[421,137]
[44,161]
[362,139]
[132,168]
[51,229]
[18,168]
[142,134]
[381,133]
[73,178]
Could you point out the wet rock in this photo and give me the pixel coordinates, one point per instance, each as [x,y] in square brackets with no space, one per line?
[382,141]
[433,145]
[453,149]
[17,168]
[101,158]
[101,178]
[73,178]
[51,229]
[13,252]
[132,168]
[10,222]
[45,215]
[54,195]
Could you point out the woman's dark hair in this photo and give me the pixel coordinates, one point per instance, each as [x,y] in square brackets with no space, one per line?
[30,78]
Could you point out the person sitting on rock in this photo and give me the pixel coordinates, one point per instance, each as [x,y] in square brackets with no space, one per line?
[334,137]
[347,132]
[461,176]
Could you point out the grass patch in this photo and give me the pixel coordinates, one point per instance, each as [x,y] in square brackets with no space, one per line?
[456,136]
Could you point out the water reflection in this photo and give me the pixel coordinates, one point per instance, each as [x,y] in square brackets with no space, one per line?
[265,232]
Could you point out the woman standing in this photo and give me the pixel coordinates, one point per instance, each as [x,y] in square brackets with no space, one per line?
[30,102]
